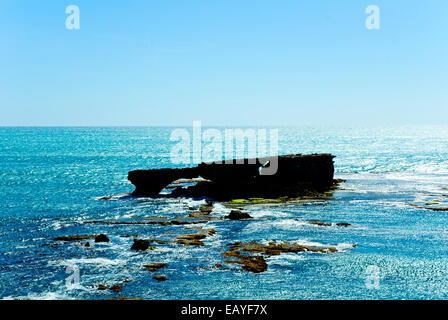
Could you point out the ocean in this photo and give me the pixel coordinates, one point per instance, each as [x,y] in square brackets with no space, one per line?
[395,190]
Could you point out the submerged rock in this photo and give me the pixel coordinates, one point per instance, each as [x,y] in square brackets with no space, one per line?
[254,264]
[160,278]
[276,248]
[116,288]
[102,287]
[191,239]
[206,209]
[238,215]
[196,214]
[74,238]
[320,223]
[441,209]
[155,266]
[438,209]
[176,221]
[251,254]
[326,224]
[101,238]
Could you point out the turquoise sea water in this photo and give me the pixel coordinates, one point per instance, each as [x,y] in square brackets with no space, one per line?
[51,179]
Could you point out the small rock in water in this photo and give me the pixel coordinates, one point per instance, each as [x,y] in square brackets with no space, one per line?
[74,238]
[101,238]
[255,264]
[191,239]
[160,278]
[87,244]
[206,209]
[196,214]
[320,223]
[140,245]
[343,224]
[155,266]
[252,259]
[238,215]
[102,287]
[116,288]
[105,198]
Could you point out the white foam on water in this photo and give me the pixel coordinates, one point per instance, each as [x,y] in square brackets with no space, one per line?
[341,247]
[114,197]
[220,210]
[285,259]
[263,213]
[430,168]
[95,261]
[40,296]
[56,225]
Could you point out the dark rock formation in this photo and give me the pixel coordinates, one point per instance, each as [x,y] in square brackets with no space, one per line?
[151,182]
[238,215]
[326,224]
[102,238]
[116,288]
[160,278]
[296,175]
[343,224]
[140,245]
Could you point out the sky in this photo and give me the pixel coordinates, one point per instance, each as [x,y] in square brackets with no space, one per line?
[226,62]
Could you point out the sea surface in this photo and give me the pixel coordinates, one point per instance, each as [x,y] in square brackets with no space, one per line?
[52,181]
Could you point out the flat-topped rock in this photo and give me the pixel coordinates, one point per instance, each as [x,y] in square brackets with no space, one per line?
[295,175]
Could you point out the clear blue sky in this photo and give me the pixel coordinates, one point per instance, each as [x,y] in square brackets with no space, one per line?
[232,62]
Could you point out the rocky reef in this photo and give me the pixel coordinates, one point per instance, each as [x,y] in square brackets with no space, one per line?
[295,175]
